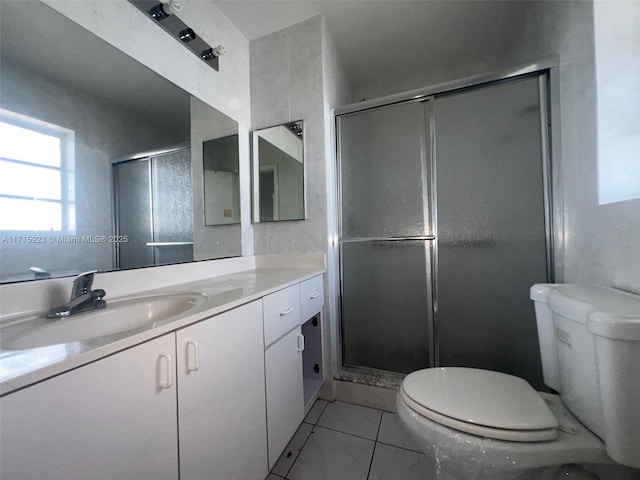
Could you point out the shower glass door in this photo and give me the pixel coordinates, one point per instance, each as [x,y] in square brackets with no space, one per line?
[491,237]
[445,196]
[385,246]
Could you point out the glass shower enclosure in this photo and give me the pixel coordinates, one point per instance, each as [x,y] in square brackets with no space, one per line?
[444,226]
[153,209]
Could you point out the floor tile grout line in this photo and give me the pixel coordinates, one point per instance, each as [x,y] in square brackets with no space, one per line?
[375,442]
[299,452]
[322,412]
[375,445]
[346,433]
[401,448]
[313,425]
[379,427]
[373,453]
[363,406]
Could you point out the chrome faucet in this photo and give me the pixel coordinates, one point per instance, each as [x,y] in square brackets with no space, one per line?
[82,297]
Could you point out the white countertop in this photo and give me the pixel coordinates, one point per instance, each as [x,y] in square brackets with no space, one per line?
[20,368]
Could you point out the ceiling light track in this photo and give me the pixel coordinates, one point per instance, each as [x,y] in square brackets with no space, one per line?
[164,13]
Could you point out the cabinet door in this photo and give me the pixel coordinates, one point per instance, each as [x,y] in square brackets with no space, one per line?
[111,419]
[222,420]
[285,398]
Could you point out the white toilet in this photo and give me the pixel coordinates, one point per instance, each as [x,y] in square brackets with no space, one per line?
[478,424]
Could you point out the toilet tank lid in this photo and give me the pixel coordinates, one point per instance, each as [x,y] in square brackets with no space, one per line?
[540,292]
[620,327]
[606,311]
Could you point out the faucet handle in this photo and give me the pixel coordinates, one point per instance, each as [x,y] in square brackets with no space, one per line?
[82,283]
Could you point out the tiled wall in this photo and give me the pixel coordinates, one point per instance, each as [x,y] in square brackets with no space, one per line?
[296,74]
[287,85]
[601,242]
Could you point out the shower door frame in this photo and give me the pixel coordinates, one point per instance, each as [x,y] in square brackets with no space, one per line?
[427,148]
[548,88]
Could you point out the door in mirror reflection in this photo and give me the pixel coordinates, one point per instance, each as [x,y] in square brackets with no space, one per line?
[278,174]
[221,181]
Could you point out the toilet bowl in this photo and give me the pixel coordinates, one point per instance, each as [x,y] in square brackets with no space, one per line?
[503,450]
[477,424]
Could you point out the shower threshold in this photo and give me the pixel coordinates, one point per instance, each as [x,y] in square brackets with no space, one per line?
[369,376]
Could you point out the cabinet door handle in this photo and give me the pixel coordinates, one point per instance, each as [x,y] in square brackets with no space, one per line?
[300,342]
[314,295]
[165,371]
[286,311]
[193,356]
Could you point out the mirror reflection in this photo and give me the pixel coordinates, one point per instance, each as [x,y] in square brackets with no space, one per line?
[279,173]
[76,119]
[221,181]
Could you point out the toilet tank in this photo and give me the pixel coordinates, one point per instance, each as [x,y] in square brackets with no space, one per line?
[590,346]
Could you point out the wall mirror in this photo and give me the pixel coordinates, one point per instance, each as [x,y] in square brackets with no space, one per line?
[77,118]
[278,173]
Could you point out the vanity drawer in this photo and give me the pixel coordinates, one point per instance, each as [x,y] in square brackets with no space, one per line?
[311,297]
[281,313]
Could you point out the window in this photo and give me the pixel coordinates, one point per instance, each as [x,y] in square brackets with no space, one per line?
[36,175]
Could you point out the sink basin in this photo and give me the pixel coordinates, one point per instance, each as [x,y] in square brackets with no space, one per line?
[119,316]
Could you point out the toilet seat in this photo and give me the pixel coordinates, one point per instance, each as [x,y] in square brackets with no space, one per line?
[480,402]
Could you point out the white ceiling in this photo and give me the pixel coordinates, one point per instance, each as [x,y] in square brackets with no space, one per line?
[386,39]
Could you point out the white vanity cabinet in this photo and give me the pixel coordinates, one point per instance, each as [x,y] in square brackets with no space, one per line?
[221,391]
[216,399]
[113,418]
[283,368]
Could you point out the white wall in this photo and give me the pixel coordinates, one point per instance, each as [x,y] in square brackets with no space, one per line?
[601,242]
[287,85]
[297,74]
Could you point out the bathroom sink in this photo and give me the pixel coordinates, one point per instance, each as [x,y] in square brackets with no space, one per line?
[118,316]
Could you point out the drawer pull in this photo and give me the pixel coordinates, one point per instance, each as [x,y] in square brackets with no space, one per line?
[193,356]
[165,375]
[300,342]
[286,311]
[314,295]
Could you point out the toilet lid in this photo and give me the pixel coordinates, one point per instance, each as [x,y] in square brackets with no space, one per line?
[481,402]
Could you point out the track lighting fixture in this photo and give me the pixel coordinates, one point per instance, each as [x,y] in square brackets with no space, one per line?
[164,13]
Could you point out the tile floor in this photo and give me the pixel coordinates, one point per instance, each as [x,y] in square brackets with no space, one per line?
[341,441]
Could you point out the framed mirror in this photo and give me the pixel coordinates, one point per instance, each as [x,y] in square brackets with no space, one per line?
[69,113]
[278,173]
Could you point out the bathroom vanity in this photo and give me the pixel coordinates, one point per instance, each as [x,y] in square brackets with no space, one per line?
[214,391]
